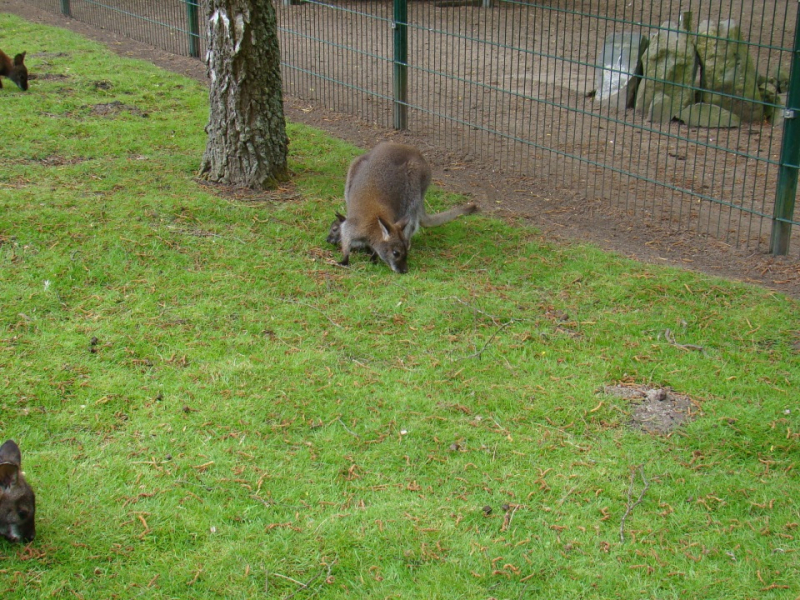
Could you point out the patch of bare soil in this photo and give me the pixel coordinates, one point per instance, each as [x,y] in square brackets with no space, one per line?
[567,215]
[112,108]
[284,193]
[54,160]
[47,77]
[654,410]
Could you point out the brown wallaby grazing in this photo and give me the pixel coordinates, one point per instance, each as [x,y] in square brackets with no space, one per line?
[17,501]
[385,197]
[16,71]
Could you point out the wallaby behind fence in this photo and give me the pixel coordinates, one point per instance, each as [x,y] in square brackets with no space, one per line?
[385,197]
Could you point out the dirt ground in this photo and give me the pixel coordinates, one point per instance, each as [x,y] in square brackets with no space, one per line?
[564,215]
[655,410]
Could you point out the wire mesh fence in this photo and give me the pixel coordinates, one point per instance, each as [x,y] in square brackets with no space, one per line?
[512,85]
[172,25]
[528,88]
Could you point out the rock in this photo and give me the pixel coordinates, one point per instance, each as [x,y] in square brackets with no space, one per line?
[685,20]
[663,108]
[769,92]
[778,115]
[670,66]
[621,61]
[780,79]
[708,115]
[727,67]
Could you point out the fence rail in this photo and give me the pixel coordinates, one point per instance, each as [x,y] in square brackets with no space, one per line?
[522,87]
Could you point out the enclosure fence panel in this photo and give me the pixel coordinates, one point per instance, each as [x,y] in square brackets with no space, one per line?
[690,136]
[172,25]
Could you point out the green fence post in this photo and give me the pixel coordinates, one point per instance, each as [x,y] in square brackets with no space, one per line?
[65,8]
[783,212]
[400,25]
[193,18]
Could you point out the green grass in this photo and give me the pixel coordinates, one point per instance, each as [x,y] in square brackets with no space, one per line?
[255,417]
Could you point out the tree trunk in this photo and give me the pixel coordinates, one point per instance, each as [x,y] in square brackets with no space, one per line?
[247,143]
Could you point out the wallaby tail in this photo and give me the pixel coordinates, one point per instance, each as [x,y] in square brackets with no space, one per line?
[448,215]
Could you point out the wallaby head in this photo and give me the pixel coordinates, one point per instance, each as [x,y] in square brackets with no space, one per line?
[392,247]
[16,71]
[17,501]
[335,233]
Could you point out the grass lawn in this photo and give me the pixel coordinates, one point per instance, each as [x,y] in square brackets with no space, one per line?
[208,406]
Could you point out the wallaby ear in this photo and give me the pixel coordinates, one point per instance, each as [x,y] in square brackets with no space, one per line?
[10,460]
[340,217]
[9,475]
[401,229]
[10,454]
[19,58]
[385,229]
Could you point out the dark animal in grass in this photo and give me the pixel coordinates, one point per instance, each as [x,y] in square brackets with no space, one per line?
[15,70]
[385,197]
[17,501]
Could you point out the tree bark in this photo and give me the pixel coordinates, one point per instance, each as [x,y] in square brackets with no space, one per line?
[247,144]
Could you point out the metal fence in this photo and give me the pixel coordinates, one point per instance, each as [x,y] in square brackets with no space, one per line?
[522,87]
[172,25]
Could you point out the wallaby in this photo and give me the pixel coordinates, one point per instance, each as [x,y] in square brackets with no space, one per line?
[17,501]
[385,197]
[16,71]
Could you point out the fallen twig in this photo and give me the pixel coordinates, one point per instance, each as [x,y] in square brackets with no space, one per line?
[196,576]
[489,341]
[260,499]
[494,320]
[565,496]
[347,429]
[508,517]
[630,506]
[477,310]
[300,583]
[201,233]
[670,337]
[303,586]
[312,307]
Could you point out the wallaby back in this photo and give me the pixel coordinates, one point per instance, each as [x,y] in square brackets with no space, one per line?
[15,70]
[385,197]
[17,501]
